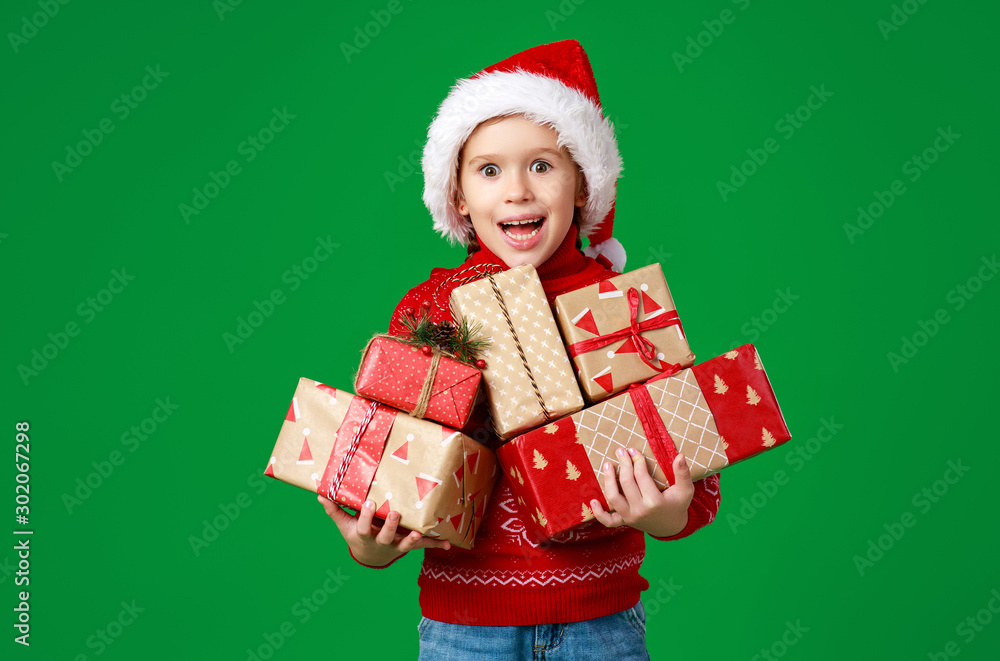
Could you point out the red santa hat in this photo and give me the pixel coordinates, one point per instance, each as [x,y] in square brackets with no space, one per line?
[552,85]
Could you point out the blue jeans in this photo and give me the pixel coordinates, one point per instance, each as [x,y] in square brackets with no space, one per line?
[619,637]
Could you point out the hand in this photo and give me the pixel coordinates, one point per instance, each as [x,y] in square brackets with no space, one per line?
[372,544]
[640,503]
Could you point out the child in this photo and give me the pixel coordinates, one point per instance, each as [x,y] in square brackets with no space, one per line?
[519,163]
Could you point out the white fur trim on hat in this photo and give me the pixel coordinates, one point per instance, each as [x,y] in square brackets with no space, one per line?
[579,123]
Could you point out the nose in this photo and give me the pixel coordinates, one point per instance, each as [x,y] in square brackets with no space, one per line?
[517,187]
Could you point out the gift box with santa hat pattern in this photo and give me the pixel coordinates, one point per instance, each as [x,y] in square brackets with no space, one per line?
[351,449]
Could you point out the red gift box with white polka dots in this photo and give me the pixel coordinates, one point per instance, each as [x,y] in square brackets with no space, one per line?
[393,372]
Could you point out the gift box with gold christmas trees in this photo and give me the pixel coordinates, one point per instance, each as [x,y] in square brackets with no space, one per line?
[716,413]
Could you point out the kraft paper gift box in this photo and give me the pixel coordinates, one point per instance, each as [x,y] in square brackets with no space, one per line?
[622,331]
[528,377]
[395,373]
[438,479]
[716,414]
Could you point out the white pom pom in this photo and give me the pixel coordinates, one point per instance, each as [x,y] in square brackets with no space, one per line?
[612,250]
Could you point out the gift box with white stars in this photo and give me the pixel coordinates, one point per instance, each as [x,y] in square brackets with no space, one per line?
[529,379]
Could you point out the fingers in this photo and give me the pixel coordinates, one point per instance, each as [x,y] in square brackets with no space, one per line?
[364,527]
[608,519]
[388,533]
[417,541]
[611,494]
[333,510]
[403,540]
[626,477]
[682,472]
[682,478]
[647,487]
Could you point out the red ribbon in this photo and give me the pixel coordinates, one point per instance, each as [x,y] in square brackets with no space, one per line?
[644,347]
[659,439]
[359,457]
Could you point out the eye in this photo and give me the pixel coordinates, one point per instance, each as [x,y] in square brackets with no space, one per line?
[489,170]
[540,167]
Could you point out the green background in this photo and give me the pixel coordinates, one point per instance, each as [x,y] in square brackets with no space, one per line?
[359,117]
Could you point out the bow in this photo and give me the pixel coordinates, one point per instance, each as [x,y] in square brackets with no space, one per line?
[644,347]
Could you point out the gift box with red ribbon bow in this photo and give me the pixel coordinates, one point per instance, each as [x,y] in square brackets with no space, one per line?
[622,331]
[716,413]
[351,449]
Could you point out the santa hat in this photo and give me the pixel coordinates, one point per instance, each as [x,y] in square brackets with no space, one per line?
[552,85]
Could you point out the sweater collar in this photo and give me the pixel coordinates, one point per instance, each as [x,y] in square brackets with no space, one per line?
[565,261]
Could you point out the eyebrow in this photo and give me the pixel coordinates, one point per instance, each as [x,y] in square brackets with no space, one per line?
[496,157]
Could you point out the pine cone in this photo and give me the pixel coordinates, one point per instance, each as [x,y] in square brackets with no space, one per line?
[443,334]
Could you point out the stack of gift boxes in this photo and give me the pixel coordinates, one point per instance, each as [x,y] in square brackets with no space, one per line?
[395,443]
[606,367]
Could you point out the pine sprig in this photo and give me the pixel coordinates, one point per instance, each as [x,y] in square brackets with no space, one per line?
[462,341]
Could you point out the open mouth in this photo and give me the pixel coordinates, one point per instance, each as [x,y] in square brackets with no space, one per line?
[522,230]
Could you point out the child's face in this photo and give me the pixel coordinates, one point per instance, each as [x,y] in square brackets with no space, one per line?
[519,189]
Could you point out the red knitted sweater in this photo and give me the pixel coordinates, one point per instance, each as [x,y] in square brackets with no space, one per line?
[588,572]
